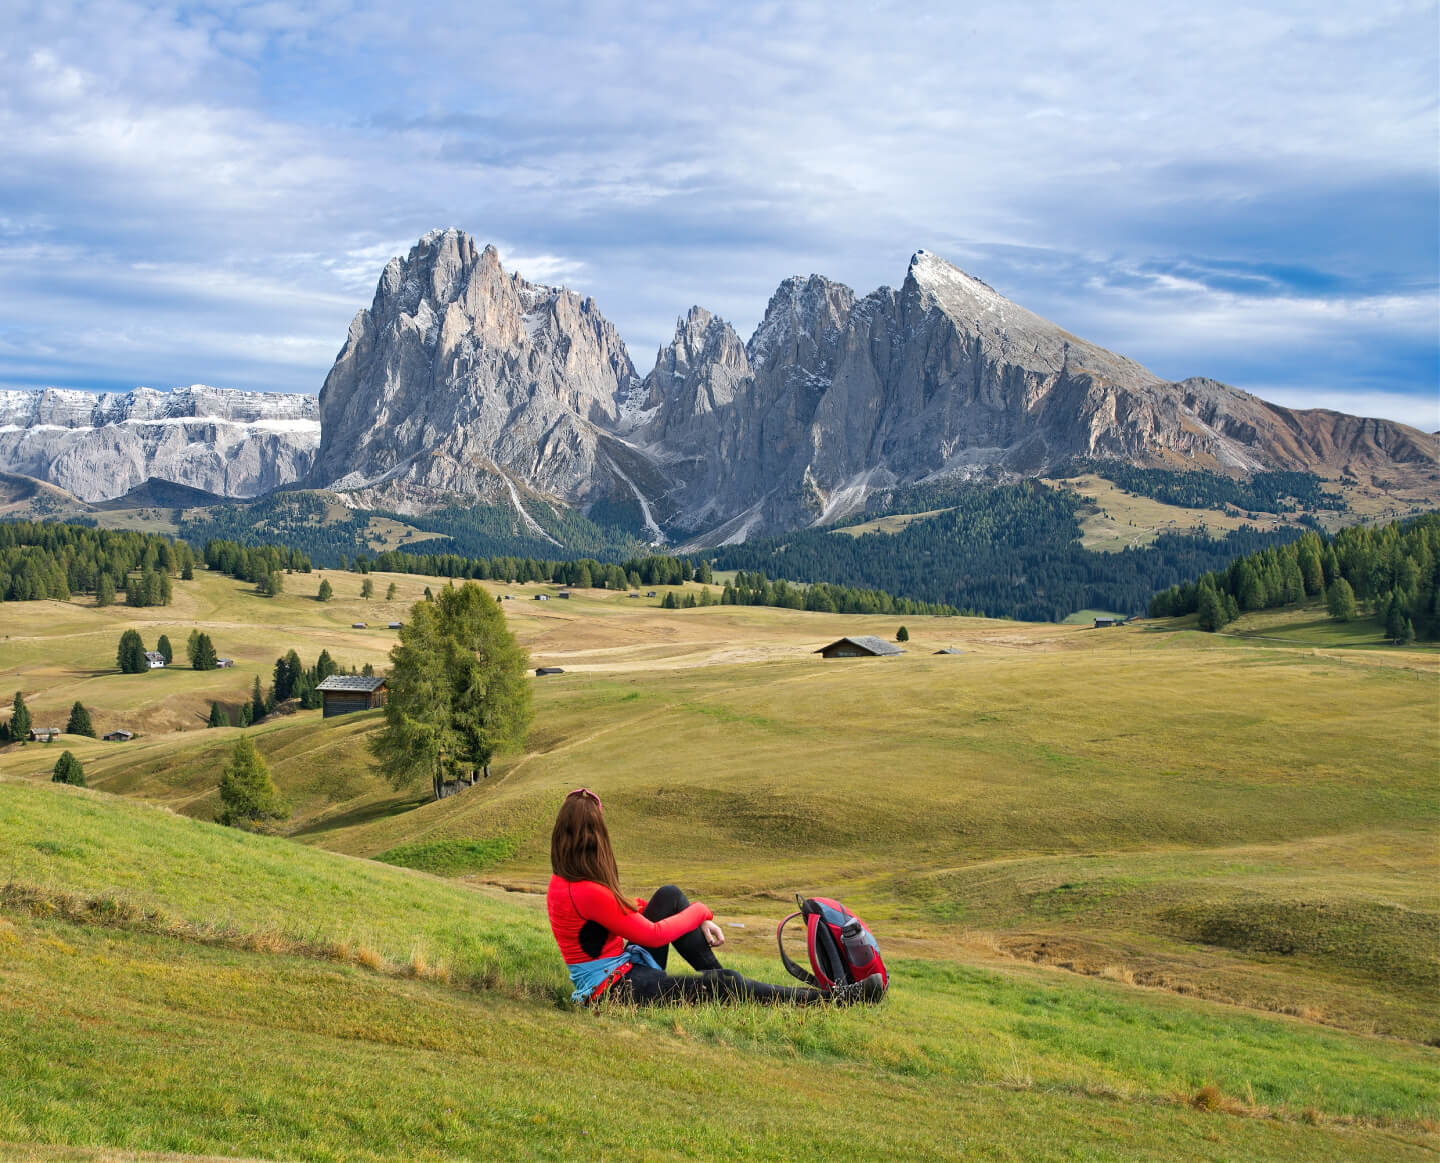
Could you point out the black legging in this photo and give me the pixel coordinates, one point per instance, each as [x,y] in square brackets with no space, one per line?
[646,986]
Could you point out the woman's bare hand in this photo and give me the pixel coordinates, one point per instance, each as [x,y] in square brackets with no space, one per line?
[713,934]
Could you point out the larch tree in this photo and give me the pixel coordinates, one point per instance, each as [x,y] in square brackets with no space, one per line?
[458,692]
[247,794]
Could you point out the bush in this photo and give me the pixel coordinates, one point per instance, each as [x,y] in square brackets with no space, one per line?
[902,635]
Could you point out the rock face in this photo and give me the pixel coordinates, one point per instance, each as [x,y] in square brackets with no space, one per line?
[236,444]
[462,382]
[942,378]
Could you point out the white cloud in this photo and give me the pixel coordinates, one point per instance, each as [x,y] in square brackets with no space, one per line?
[247,172]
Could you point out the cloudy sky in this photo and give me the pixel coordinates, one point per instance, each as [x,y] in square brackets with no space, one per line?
[1246,191]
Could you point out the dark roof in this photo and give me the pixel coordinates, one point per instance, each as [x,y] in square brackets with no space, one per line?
[352,682]
[949,650]
[866,642]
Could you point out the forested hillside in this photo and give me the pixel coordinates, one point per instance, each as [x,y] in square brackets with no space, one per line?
[1012,551]
[1391,572]
[40,560]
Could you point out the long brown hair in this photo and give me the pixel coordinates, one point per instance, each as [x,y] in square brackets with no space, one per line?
[580,846]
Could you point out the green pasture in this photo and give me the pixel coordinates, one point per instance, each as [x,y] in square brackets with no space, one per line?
[1116,870]
[383,1013]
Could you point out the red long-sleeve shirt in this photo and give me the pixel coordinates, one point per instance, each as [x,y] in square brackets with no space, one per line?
[589,923]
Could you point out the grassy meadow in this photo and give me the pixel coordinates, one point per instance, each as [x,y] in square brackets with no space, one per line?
[1147,892]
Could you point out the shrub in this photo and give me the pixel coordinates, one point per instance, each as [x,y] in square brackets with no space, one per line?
[902,635]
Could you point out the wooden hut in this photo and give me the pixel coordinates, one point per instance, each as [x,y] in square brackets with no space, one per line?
[863,646]
[342,694]
[542,671]
[119,736]
[949,650]
[155,660]
[44,734]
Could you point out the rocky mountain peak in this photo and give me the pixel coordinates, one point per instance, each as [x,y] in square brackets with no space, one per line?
[460,375]
[801,313]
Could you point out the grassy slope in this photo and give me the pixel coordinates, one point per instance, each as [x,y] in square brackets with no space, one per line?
[125,1031]
[1245,818]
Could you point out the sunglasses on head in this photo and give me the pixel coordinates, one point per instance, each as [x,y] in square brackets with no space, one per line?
[585,791]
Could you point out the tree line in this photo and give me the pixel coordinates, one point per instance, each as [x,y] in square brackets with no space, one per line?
[42,560]
[301,520]
[755,589]
[1391,572]
[1261,492]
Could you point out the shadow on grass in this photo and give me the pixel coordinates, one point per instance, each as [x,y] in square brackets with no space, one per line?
[364,814]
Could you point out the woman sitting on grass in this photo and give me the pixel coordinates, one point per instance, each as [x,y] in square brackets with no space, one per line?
[617,949]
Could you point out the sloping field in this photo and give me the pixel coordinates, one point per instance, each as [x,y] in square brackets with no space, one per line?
[1115,867]
[169,985]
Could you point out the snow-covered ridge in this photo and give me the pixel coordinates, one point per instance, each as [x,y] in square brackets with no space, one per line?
[30,408]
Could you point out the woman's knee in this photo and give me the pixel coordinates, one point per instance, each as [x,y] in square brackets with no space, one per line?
[669,899]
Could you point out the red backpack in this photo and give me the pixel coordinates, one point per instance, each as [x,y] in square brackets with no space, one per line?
[842,950]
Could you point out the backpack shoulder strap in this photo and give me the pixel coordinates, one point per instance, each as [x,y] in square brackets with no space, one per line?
[795,971]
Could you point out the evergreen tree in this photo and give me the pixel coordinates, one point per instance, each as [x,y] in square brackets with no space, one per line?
[458,691]
[68,770]
[271,584]
[204,656]
[325,666]
[257,702]
[390,592]
[368,671]
[668,602]
[163,649]
[287,675]
[247,794]
[130,656]
[367,589]
[79,723]
[327,591]
[247,715]
[218,718]
[1340,600]
[19,718]
[187,571]
[1396,621]
[902,635]
[105,590]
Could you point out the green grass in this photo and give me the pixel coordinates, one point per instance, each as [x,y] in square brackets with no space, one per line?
[123,1029]
[1111,869]
[450,857]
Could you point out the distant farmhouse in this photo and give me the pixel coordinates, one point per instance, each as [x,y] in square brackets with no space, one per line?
[865,646]
[542,597]
[343,694]
[395,625]
[120,736]
[224,663]
[1099,622]
[155,659]
[949,650]
[44,734]
[563,594]
[358,626]
[541,671]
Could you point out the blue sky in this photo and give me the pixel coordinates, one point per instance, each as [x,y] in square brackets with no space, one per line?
[207,194]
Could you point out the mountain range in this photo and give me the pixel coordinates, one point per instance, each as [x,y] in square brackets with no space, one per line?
[462,384]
